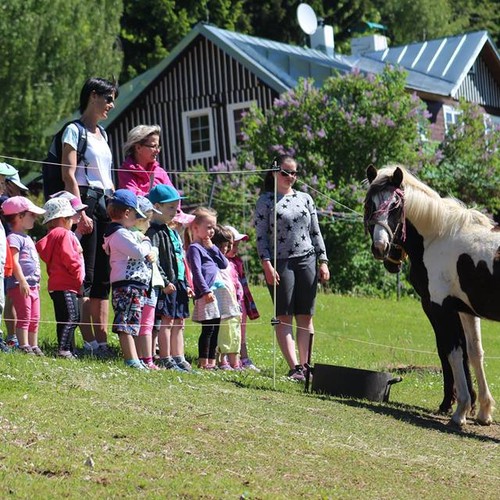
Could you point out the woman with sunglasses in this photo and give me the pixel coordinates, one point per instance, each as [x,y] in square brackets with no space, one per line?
[300,259]
[140,171]
[89,178]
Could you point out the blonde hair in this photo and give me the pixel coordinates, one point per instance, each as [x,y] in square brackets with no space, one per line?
[138,135]
[202,213]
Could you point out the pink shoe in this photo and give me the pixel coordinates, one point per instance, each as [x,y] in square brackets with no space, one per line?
[152,366]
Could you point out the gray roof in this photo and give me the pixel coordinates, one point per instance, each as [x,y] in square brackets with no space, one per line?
[435,66]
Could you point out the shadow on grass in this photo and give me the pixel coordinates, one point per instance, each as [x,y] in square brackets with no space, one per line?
[421,417]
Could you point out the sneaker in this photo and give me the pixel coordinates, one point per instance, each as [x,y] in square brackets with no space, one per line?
[103,352]
[4,347]
[37,351]
[247,364]
[12,341]
[137,366]
[169,364]
[152,366]
[65,354]
[297,373]
[183,365]
[26,349]
[225,366]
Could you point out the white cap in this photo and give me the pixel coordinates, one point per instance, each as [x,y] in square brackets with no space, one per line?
[237,236]
[57,207]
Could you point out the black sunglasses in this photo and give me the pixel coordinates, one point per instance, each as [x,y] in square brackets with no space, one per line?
[289,173]
[109,99]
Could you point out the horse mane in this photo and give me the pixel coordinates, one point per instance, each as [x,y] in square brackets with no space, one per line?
[426,208]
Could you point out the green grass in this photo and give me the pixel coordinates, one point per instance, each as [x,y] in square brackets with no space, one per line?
[91,428]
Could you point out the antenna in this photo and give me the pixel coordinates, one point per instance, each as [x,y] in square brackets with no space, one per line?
[307,19]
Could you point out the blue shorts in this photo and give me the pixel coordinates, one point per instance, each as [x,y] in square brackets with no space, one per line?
[175,305]
[127,304]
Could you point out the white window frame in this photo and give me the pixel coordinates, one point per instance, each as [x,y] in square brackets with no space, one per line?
[231,108]
[186,116]
[453,112]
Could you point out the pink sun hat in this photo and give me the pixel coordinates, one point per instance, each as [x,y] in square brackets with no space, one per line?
[75,202]
[18,204]
[183,218]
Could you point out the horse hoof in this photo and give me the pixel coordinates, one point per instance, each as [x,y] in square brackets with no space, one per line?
[484,421]
[457,421]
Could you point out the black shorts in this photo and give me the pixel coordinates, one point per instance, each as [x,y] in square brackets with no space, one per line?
[296,292]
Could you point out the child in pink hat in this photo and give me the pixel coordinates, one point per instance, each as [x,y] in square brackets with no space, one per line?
[23,288]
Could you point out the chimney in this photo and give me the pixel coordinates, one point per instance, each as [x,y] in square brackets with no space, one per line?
[370,43]
[322,38]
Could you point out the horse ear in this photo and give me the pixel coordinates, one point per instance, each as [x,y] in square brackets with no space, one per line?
[371,173]
[397,177]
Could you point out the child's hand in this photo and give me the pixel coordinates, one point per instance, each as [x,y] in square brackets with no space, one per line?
[24,288]
[190,292]
[170,288]
[151,257]
[207,242]
[209,297]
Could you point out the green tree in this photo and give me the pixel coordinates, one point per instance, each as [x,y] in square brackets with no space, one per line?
[150,29]
[47,50]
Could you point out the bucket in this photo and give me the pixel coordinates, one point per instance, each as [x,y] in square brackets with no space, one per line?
[355,383]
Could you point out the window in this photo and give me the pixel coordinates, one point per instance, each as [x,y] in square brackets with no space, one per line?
[234,118]
[451,115]
[198,128]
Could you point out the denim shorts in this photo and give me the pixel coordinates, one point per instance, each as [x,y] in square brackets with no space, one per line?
[174,305]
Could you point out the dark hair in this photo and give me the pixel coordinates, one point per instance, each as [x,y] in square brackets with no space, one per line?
[99,86]
[116,210]
[222,235]
[269,179]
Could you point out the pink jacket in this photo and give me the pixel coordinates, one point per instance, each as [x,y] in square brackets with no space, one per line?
[62,253]
[137,179]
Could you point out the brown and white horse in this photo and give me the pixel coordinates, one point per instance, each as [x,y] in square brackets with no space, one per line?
[455,267]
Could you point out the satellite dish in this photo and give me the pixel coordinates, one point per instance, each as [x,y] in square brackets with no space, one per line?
[307,19]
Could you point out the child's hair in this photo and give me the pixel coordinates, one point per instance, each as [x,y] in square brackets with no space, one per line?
[222,235]
[9,218]
[54,222]
[201,213]
[116,210]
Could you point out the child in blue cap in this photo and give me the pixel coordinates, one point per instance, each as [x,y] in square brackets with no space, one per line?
[131,271]
[173,302]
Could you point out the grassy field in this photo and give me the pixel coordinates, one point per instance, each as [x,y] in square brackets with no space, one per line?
[96,429]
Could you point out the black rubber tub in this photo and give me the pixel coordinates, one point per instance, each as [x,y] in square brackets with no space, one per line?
[352,382]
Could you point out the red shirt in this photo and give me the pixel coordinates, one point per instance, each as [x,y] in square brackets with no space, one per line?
[62,253]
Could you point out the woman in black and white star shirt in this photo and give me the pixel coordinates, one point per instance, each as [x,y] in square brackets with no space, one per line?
[299,249]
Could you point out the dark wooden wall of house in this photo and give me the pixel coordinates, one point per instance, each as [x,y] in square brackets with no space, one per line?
[480,86]
[202,76]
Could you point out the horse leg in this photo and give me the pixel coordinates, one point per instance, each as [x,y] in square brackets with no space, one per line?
[439,322]
[472,329]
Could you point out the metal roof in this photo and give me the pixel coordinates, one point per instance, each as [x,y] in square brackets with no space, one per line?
[435,66]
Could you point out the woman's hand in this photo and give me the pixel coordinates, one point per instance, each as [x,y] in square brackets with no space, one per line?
[86,224]
[190,292]
[324,272]
[209,297]
[270,273]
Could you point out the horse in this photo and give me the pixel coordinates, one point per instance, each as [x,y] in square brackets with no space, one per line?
[454,253]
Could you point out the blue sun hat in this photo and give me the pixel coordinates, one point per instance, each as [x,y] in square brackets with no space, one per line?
[162,193]
[127,199]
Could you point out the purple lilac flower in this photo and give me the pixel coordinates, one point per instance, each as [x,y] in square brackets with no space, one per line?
[321,133]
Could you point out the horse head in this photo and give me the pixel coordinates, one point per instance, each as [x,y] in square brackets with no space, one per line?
[385,218]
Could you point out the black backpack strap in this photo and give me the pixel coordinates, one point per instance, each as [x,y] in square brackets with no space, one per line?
[81,147]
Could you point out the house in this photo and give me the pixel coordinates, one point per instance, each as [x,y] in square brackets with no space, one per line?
[198,93]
